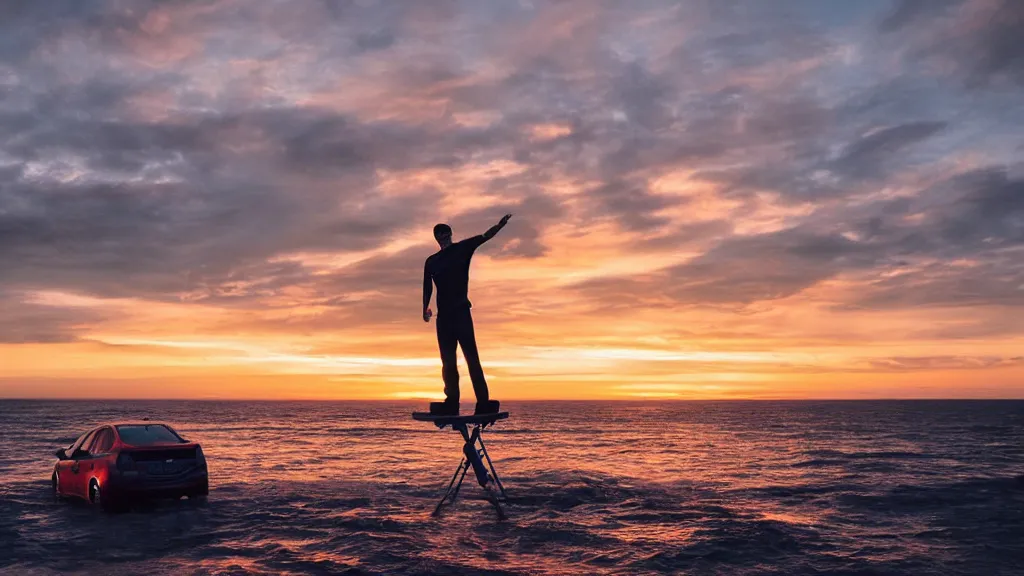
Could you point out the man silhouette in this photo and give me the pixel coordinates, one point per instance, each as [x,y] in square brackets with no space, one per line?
[449,269]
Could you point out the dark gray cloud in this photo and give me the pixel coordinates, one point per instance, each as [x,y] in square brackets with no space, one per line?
[980,218]
[907,12]
[865,156]
[765,267]
[201,195]
[974,214]
[109,25]
[226,210]
[690,235]
[997,47]
[744,270]
[990,214]
[375,40]
[942,285]
[984,38]
[808,173]
[959,249]
[379,290]
[633,205]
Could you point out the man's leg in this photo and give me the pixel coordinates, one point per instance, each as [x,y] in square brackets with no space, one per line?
[447,341]
[467,339]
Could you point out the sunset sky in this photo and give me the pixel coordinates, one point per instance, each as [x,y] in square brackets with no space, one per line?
[711,199]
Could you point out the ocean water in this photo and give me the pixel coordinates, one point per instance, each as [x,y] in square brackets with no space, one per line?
[595,488]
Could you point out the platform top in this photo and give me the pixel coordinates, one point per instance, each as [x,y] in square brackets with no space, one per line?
[442,420]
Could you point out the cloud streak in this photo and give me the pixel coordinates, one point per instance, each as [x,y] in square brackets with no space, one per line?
[273,170]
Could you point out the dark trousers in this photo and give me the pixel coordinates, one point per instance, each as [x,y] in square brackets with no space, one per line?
[455,327]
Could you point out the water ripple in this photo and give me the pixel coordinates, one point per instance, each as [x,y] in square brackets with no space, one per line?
[701,487]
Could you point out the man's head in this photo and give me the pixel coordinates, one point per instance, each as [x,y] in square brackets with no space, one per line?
[443,235]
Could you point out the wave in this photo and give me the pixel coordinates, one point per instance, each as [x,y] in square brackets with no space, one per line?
[878,454]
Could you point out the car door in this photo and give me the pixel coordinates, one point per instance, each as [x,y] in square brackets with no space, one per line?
[64,474]
[99,451]
[78,479]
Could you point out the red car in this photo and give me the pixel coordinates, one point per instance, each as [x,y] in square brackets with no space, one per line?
[114,464]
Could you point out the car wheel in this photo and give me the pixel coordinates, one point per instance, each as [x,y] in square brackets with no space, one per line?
[103,499]
[94,494]
[98,499]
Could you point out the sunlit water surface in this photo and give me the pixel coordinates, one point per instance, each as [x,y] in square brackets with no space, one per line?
[595,488]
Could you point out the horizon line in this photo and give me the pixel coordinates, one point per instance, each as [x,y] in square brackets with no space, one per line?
[415,400]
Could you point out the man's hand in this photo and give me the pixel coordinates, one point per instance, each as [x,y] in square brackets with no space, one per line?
[504,219]
[427,314]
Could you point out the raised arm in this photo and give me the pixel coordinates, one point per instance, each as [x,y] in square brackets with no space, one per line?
[428,289]
[494,229]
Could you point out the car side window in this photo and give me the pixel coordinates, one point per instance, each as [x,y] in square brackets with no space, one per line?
[103,443]
[84,448]
[76,445]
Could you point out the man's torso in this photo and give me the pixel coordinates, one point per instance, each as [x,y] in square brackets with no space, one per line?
[449,268]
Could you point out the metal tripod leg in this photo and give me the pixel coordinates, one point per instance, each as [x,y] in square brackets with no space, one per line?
[453,489]
[494,473]
[471,458]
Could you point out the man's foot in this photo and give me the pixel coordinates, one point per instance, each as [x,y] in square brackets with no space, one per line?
[444,408]
[487,407]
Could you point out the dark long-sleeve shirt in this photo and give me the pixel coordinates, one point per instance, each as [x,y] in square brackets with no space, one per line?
[448,268]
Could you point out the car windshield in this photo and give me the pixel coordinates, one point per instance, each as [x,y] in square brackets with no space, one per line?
[147,434]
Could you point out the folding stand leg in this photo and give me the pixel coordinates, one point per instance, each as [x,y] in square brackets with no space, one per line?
[494,473]
[484,476]
[453,488]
